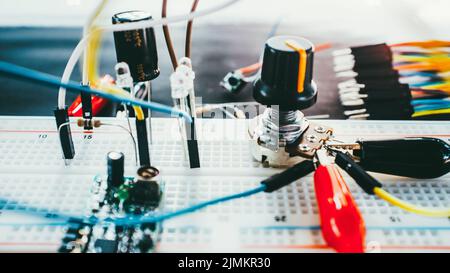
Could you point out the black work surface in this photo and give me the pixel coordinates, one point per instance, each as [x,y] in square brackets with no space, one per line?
[217,49]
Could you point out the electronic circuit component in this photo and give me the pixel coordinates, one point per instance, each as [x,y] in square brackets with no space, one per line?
[65,134]
[95,123]
[140,196]
[233,82]
[361,57]
[76,237]
[116,165]
[147,173]
[97,102]
[282,135]
[286,75]
[137,47]
[123,77]
[125,81]
[140,90]
[76,110]
[106,246]
[183,95]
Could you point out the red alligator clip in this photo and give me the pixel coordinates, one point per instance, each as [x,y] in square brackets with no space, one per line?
[342,225]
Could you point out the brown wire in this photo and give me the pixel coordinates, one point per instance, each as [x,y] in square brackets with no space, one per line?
[187,47]
[169,43]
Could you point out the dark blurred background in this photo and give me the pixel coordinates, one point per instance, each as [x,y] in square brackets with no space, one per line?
[42,36]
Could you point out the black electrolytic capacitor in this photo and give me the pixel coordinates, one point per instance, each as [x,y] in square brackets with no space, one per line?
[116,164]
[137,47]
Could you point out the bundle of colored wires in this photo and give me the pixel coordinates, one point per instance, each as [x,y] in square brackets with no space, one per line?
[424,66]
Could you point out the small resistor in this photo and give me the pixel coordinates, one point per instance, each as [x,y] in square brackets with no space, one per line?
[89,123]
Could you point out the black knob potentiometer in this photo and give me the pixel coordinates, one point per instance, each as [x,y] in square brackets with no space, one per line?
[137,47]
[286,75]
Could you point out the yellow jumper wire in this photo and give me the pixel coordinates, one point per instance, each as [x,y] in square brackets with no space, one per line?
[410,207]
[91,64]
[88,28]
[118,91]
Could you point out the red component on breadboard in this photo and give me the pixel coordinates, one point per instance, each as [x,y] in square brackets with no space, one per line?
[98,103]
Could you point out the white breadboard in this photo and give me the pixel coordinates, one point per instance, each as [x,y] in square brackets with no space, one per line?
[33,178]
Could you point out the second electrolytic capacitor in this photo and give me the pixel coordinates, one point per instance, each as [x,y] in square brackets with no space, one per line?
[116,168]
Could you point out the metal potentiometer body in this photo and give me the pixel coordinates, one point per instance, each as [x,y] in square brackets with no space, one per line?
[282,136]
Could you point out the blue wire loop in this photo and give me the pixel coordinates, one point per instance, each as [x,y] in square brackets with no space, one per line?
[132,219]
[53,81]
